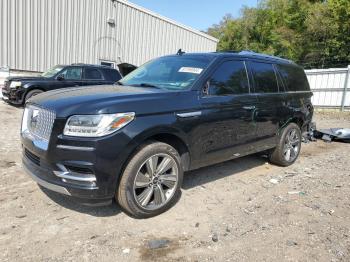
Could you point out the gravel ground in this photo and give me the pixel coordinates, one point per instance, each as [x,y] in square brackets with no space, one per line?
[241,210]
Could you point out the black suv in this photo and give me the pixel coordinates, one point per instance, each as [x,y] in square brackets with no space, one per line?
[133,141]
[17,90]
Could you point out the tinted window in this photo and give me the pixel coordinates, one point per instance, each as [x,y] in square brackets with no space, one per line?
[72,73]
[294,78]
[264,77]
[229,78]
[112,75]
[93,74]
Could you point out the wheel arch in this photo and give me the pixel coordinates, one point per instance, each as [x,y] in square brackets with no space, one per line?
[31,88]
[165,135]
[298,119]
[170,136]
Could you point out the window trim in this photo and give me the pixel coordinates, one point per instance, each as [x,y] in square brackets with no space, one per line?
[216,68]
[280,79]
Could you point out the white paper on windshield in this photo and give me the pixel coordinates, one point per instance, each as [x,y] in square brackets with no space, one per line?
[192,70]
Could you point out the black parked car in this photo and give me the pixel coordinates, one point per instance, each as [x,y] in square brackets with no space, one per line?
[133,141]
[17,90]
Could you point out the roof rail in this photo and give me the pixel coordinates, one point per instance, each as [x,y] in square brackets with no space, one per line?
[83,64]
[252,53]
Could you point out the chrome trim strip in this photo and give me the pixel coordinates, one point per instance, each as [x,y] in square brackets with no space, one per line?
[189,114]
[65,174]
[70,176]
[79,148]
[43,183]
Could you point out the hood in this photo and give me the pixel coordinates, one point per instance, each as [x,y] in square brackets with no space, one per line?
[107,99]
[25,78]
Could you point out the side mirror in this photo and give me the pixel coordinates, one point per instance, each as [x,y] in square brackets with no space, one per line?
[206,88]
[60,77]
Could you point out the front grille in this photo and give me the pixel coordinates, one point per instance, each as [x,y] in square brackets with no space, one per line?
[35,159]
[6,85]
[40,122]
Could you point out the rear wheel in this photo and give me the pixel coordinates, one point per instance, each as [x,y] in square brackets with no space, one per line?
[151,182]
[288,148]
[32,93]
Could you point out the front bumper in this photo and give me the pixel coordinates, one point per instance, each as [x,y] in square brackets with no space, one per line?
[13,96]
[43,183]
[85,169]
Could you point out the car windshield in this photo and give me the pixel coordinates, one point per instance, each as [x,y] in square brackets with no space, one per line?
[172,72]
[53,71]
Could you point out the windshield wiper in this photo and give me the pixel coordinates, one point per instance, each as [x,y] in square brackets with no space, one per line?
[119,83]
[147,85]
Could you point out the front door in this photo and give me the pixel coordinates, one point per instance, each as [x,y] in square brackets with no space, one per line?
[69,77]
[227,123]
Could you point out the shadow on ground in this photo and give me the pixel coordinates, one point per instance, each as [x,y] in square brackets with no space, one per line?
[192,179]
[111,209]
[209,174]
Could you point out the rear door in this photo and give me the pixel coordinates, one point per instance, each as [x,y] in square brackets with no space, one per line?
[227,127]
[269,103]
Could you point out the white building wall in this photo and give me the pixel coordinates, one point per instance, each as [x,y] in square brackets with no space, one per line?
[331,87]
[37,34]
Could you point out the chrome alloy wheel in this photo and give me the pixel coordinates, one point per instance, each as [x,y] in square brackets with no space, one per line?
[291,145]
[156,181]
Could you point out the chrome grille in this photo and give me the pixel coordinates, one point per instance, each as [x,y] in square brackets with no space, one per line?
[6,85]
[40,122]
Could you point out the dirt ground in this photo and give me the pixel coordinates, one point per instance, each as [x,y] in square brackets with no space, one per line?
[241,210]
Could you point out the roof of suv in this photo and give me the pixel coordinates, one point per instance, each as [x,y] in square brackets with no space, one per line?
[90,65]
[244,53]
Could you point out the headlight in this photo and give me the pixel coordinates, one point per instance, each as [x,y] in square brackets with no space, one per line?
[96,125]
[15,84]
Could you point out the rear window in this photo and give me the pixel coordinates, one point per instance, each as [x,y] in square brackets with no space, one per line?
[264,77]
[294,78]
[92,74]
[112,75]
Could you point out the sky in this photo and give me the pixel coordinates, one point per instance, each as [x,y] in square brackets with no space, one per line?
[199,14]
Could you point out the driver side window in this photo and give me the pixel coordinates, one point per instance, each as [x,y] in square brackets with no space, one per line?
[72,73]
[230,78]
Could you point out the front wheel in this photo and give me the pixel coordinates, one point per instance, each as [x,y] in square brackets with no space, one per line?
[32,93]
[288,148]
[151,181]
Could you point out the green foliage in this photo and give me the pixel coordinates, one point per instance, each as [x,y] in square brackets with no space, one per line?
[313,33]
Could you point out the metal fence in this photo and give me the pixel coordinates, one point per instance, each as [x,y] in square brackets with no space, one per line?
[330,87]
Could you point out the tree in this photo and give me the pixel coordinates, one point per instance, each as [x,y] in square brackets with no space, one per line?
[313,33]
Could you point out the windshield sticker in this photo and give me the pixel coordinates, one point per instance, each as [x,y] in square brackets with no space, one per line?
[192,70]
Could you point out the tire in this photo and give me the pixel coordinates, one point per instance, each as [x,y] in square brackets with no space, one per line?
[142,195]
[32,93]
[290,141]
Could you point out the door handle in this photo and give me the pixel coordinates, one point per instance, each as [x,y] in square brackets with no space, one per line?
[249,107]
